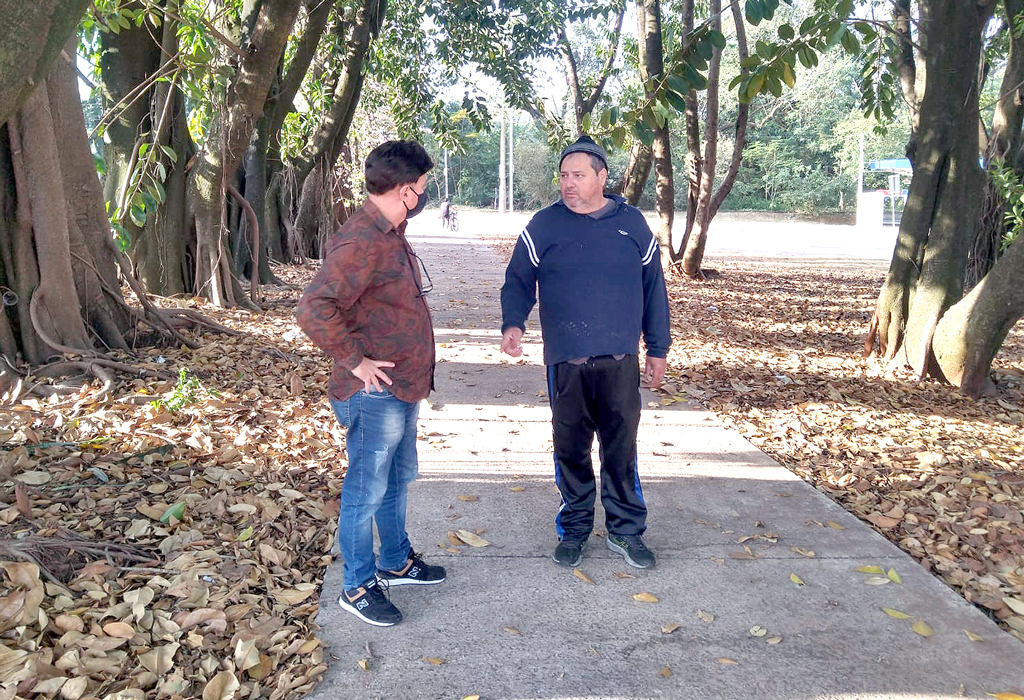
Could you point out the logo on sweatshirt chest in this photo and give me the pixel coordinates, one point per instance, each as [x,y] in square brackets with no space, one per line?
[624,233]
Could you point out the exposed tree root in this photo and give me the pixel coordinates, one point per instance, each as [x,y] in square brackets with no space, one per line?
[59,558]
[98,367]
[869,340]
[12,384]
[198,319]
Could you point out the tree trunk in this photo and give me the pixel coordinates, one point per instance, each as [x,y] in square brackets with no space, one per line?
[55,308]
[229,134]
[1003,145]
[906,68]
[573,79]
[583,106]
[702,206]
[693,253]
[54,236]
[255,193]
[971,332]
[926,273]
[635,174]
[34,33]
[305,50]
[282,104]
[95,274]
[128,59]
[163,248]
[330,137]
[694,161]
[652,64]
[742,117]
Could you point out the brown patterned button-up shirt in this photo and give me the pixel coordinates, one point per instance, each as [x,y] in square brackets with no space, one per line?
[365,302]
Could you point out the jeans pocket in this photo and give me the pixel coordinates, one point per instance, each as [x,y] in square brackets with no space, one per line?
[342,411]
[384,393]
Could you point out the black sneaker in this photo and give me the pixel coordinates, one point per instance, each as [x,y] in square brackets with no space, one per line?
[632,549]
[370,604]
[416,572]
[569,552]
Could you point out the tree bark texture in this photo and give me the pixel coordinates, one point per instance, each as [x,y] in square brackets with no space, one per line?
[305,50]
[279,105]
[326,145]
[693,252]
[95,273]
[55,307]
[127,59]
[906,68]
[230,130]
[694,160]
[33,35]
[1003,148]
[742,118]
[652,66]
[700,173]
[925,276]
[970,333]
[255,180]
[635,174]
[57,264]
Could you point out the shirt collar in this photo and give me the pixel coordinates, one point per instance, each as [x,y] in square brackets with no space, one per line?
[381,221]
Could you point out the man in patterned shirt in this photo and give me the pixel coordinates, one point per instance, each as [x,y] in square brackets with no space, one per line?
[366,309]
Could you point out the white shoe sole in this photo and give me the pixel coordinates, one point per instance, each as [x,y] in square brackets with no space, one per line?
[345,605]
[625,555]
[407,581]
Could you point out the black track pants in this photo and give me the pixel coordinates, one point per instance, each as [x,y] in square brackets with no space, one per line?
[601,396]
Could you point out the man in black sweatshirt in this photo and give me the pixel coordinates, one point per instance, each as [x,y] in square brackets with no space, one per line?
[597,268]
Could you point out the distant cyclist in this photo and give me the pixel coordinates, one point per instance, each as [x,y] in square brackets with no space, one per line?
[446,213]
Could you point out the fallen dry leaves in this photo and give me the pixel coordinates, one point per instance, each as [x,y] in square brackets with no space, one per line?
[773,347]
[218,518]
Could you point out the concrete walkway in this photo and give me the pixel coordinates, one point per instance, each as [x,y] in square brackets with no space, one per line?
[729,525]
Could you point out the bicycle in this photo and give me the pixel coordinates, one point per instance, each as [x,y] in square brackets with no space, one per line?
[453,220]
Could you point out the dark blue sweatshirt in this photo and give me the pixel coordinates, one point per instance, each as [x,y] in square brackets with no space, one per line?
[600,283]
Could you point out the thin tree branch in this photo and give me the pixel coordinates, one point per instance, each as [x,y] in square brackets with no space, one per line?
[595,94]
[205,22]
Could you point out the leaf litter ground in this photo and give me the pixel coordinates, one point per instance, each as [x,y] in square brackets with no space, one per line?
[773,348]
[187,546]
[188,524]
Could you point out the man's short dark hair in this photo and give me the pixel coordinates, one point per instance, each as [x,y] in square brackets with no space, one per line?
[395,163]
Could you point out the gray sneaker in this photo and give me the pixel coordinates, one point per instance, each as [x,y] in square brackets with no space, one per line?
[632,549]
[569,552]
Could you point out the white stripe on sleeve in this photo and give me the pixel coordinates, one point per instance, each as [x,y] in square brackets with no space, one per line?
[531,249]
[651,250]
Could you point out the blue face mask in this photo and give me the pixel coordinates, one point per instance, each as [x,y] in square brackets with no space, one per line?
[421,201]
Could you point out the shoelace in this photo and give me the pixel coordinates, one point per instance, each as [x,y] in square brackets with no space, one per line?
[383,587]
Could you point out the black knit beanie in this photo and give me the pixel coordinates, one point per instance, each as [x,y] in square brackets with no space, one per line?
[584,144]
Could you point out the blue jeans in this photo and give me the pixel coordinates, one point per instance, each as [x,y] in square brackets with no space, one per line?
[381,446]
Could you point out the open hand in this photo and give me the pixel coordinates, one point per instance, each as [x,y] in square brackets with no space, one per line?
[370,373]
